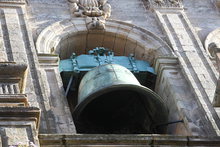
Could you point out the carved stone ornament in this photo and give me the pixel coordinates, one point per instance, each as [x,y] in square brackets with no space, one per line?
[96,10]
[212,43]
[95,23]
[91,8]
[165,3]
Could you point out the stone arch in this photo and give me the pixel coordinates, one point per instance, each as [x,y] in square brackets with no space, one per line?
[72,35]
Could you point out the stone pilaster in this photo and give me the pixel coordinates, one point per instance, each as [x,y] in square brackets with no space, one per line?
[194,63]
[18,46]
[54,91]
[174,88]
[19,123]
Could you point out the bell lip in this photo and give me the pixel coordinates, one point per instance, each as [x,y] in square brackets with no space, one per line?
[138,88]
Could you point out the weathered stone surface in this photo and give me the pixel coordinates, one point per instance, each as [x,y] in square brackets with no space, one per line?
[203,14]
[48,140]
[199,73]
[19,125]
[187,83]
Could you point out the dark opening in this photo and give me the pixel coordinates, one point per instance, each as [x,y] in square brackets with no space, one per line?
[117,112]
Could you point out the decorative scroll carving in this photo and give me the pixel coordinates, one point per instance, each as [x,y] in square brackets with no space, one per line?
[212,43]
[165,3]
[97,10]
[212,46]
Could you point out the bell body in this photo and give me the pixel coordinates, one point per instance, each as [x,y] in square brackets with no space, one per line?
[112,101]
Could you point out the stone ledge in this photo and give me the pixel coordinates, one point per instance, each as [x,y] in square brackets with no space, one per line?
[13,100]
[20,114]
[12,68]
[13,1]
[48,60]
[15,73]
[126,140]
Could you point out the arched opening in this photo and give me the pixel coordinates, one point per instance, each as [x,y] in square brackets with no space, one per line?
[64,38]
[70,36]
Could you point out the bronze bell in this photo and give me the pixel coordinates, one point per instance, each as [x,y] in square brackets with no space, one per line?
[112,101]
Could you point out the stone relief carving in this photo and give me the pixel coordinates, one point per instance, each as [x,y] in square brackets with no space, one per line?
[95,23]
[159,3]
[98,10]
[175,3]
[212,43]
[212,50]
[165,3]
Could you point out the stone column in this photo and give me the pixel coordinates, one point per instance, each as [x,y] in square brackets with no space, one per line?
[194,63]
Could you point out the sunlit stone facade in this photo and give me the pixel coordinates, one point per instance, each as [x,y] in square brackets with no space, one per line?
[179,38]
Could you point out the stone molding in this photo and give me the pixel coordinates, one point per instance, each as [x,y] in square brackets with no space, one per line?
[170,4]
[13,2]
[161,61]
[49,40]
[13,74]
[20,113]
[48,59]
[50,140]
[8,1]
[15,100]
[19,124]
